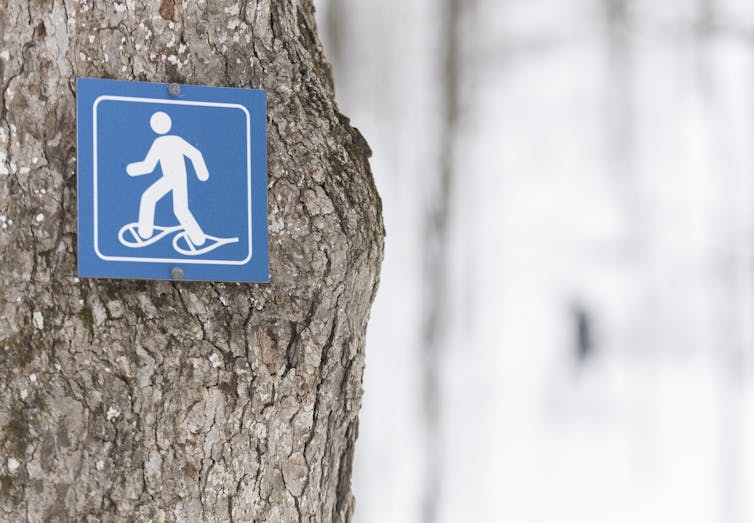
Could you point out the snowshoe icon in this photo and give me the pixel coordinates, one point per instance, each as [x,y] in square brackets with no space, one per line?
[129,237]
[212,243]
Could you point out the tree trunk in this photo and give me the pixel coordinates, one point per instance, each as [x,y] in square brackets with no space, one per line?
[142,400]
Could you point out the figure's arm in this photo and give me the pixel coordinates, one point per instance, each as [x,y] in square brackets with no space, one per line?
[197,160]
[146,166]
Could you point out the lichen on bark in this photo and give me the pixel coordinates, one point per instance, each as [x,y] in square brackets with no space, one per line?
[161,401]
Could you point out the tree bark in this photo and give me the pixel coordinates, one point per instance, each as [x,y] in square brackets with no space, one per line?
[162,401]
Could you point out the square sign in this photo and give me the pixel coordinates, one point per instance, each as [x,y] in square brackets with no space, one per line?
[172,181]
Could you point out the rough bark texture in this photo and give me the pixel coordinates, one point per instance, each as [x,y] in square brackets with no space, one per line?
[139,401]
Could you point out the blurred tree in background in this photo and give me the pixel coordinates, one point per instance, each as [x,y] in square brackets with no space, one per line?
[566,313]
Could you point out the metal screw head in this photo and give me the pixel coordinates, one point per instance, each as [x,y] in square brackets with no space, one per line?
[174,89]
[176,273]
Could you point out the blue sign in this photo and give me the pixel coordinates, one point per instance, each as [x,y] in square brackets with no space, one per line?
[172,181]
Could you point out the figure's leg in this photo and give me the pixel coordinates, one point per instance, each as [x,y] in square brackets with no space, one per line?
[182,212]
[147,206]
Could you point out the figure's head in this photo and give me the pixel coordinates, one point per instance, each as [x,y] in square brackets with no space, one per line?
[160,122]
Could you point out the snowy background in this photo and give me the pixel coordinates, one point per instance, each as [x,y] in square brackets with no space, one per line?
[565,324]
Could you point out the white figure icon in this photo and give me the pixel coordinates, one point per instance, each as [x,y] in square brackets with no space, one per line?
[170,152]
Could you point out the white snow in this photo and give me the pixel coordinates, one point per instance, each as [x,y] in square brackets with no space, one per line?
[112,413]
[38,320]
[13,464]
[621,184]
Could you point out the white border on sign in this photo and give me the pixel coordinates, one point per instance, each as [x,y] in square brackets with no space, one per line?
[248,179]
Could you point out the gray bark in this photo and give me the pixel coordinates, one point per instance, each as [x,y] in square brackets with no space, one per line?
[139,401]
